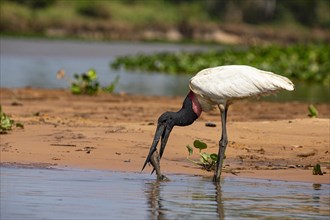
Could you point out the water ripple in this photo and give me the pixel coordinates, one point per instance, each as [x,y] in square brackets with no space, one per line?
[91,194]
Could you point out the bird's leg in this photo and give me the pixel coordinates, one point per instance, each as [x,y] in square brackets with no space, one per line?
[155,162]
[222,144]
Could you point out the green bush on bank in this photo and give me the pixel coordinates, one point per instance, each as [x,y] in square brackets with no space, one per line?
[301,62]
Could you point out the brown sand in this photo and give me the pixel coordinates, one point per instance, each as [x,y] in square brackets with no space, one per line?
[114,132]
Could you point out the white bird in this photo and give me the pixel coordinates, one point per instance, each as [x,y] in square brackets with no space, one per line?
[218,86]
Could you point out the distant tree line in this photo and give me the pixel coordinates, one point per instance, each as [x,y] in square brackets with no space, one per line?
[305,12]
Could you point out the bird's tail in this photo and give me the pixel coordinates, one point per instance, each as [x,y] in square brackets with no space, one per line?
[278,81]
[287,84]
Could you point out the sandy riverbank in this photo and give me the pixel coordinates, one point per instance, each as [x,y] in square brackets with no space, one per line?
[114,132]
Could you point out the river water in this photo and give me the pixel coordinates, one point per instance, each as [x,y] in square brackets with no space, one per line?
[34,63]
[93,194]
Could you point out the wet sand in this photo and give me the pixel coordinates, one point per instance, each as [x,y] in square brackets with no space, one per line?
[114,132]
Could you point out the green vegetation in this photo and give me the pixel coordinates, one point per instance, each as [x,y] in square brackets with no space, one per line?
[111,87]
[207,161]
[317,170]
[6,123]
[312,111]
[306,12]
[93,9]
[35,4]
[308,63]
[87,83]
[101,19]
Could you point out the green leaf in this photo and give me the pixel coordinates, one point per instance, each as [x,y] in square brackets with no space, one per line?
[190,150]
[312,111]
[214,157]
[75,89]
[85,78]
[111,87]
[205,157]
[200,145]
[6,122]
[92,74]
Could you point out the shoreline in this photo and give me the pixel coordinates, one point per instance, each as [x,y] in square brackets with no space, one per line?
[285,175]
[267,140]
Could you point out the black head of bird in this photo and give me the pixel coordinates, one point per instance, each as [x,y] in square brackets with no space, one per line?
[185,116]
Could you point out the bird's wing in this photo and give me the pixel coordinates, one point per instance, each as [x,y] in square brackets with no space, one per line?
[235,82]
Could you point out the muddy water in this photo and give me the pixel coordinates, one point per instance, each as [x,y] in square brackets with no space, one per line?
[89,194]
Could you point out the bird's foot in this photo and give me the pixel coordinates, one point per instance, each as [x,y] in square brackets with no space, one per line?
[162,177]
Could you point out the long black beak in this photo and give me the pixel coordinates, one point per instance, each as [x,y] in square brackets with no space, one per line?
[165,136]
[163,131]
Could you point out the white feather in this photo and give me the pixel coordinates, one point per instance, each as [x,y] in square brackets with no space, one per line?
[224,84]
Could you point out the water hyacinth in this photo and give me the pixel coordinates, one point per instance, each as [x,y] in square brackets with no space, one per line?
[309,63]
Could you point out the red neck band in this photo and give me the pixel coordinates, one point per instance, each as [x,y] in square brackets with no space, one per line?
[197,108]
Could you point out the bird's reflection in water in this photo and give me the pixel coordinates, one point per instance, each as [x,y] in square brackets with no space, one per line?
[218,199]
[185,201]
[154,200]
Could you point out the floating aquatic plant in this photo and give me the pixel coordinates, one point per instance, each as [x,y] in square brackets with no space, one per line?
[304,62]
[87,83]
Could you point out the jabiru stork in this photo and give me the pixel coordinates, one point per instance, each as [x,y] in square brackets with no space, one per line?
[217,86]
